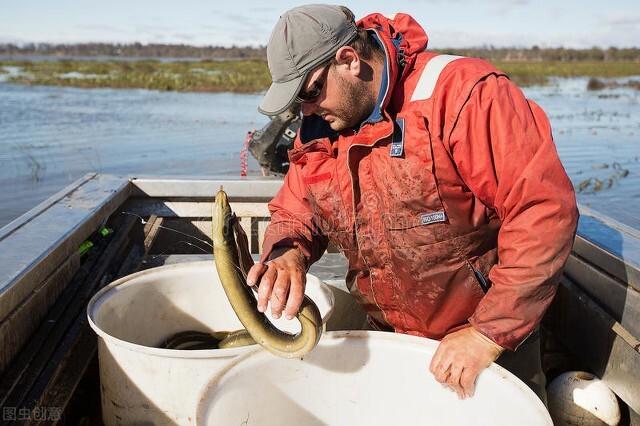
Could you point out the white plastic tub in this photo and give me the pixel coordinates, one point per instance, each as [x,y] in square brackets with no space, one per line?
[361,378]
[142,384]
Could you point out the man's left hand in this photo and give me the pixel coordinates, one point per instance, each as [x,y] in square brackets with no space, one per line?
[460,357]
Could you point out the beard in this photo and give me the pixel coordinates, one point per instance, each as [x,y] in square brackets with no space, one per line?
[356,104]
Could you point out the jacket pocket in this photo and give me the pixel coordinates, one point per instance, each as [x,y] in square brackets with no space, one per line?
[408,181]
[404,228]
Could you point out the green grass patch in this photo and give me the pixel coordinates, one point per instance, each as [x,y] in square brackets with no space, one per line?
[245,76]
[249,76]
[530,73]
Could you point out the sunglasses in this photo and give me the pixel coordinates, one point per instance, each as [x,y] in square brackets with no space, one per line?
[308,96]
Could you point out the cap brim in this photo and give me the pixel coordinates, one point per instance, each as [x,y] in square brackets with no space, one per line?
[280,96]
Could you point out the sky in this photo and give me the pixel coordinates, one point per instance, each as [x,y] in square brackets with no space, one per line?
[449,23]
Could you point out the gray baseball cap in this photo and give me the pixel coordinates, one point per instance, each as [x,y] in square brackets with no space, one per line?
[304,38]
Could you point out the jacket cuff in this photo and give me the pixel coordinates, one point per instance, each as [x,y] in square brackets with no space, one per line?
[506,340]
[487,338]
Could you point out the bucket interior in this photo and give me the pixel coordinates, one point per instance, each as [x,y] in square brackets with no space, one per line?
[147,307]
[370,378]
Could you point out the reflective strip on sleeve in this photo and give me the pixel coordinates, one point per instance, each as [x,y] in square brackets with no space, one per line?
[429,77]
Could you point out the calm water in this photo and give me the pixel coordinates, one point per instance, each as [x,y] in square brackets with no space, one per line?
[51,136]
[598,137]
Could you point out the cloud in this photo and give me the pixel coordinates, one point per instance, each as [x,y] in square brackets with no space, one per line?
[183,36]
[442,1]
[224,38]
[482,2]
[440,39]
[459,39]
[617,30]
[153,28]
[265,10]
[505,7]
[232,17]
[7,39]
[100,28]
[241,28]
[623,21]
[157,38]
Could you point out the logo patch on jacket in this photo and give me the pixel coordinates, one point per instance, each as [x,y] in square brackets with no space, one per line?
[397,140]
[429,218]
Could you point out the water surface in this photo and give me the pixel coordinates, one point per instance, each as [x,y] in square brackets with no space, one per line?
[597,134]
[52,136]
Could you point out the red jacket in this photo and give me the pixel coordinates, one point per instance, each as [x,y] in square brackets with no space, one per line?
[449,202]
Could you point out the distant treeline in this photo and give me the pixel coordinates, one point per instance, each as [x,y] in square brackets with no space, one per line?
[235,52]
[558,54]
[135,50]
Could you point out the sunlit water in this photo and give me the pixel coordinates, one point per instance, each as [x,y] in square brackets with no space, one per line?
[51,136]
[598,136]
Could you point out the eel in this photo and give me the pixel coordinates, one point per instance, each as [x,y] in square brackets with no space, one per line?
[233,261]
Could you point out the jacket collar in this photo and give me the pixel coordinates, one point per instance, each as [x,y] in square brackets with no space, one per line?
[383,91]
[401,38]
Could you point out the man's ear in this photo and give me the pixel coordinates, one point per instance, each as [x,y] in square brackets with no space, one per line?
[348,58]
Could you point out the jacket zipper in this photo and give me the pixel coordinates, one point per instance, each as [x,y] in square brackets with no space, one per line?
[355,225]
[484,285]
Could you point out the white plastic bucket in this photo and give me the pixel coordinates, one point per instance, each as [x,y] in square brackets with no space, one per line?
[361,378]
[143,384]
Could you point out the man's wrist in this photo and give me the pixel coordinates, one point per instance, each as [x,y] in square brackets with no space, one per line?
[279,251]
[487,340]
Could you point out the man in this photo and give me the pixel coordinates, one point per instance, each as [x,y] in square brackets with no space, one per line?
[434,176]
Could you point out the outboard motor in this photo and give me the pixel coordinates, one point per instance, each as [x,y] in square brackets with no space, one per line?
[270,144]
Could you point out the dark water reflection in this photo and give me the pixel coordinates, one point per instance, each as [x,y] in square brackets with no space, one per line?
[51,136]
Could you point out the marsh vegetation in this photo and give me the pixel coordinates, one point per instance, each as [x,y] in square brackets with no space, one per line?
[598,84]
[531,73]
[241,76]
[249,76]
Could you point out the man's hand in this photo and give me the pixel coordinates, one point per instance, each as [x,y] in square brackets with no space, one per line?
[460,357]
[282,279]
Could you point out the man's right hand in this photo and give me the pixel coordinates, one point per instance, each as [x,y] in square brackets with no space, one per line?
[281,281]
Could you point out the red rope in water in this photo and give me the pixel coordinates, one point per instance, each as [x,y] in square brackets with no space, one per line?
[244,155]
